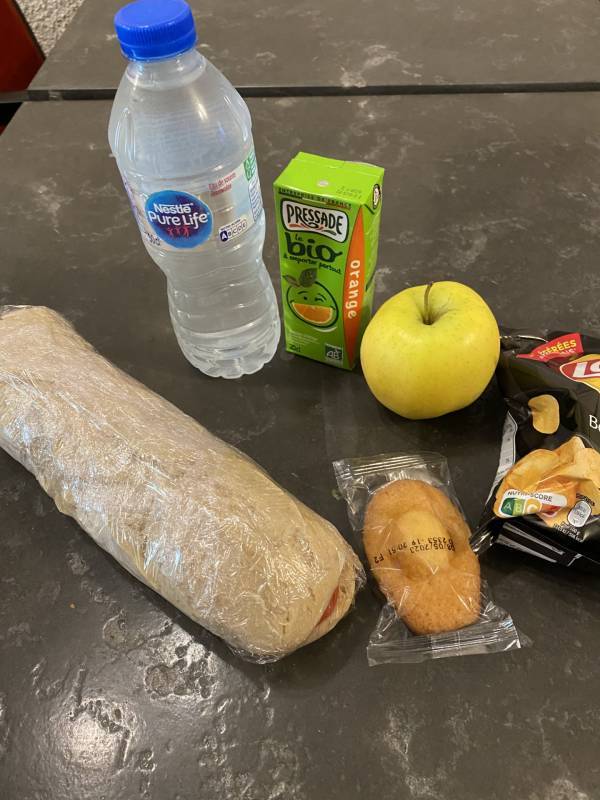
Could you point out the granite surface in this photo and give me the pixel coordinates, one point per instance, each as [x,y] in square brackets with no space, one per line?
[48,19]
[106,691]
[332,43]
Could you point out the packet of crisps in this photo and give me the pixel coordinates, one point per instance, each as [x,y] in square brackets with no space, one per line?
[545,499]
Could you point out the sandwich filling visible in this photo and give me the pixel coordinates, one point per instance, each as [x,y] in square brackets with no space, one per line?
[330,606]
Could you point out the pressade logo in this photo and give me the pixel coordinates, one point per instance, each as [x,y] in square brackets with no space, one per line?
[179,218]
[328,222]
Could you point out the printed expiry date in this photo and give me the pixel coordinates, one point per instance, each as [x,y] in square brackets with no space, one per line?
[416,545]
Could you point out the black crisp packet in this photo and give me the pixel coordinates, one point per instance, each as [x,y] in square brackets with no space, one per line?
[545,498]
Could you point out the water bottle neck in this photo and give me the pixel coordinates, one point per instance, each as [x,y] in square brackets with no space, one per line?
[177,70]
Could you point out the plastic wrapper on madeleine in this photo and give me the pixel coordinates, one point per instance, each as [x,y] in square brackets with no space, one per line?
[416,542]
[187,514]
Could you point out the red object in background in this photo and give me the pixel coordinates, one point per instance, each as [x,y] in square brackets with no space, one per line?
[20,54]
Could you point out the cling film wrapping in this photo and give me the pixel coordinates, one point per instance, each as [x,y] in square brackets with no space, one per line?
[545,500]
[190,516]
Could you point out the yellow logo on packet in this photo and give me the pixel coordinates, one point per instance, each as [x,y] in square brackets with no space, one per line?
[584,370]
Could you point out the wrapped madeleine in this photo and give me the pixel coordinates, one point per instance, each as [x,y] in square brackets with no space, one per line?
[418,546]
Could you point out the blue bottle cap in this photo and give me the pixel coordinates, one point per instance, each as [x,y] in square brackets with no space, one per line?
[149,30]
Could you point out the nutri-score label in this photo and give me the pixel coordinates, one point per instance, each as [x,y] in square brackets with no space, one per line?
[187,216]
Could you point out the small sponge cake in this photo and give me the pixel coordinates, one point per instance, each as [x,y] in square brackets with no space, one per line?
[417,543]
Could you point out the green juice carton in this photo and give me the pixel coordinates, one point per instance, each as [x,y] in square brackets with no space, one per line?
[328,214]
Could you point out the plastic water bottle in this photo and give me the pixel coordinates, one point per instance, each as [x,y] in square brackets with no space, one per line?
[182,138]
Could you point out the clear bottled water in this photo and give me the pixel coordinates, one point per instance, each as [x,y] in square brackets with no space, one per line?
[182,138]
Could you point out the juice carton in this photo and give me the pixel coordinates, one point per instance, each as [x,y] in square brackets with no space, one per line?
[328,214]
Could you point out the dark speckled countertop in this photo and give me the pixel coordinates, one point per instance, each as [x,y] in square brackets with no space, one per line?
[105,690]
[411,44]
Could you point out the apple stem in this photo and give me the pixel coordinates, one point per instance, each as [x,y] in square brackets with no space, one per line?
[426,312]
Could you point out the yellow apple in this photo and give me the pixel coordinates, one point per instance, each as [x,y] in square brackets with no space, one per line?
[430,350]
